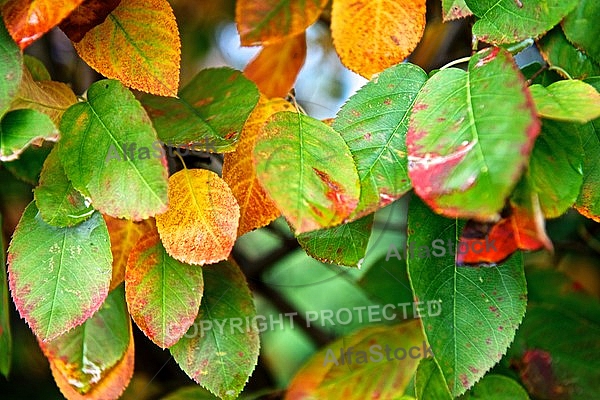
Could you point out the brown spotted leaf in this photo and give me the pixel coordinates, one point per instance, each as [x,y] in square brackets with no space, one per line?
[372,35]
[256,208]
[144,47]
[200,225]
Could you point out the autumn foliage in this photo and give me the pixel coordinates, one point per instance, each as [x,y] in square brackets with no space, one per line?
[122,234]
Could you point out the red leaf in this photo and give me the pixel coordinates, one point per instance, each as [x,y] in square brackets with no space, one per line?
[89,14]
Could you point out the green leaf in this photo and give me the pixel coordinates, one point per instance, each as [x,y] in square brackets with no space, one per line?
[481,307]
[163,294]
[57,200]
[496,387]
[209,114]
[120,183]
[344,244]
[11,68]
[374,362]
[221,359]
[455,9]
[588,202]
[307,169]
[430,383]
[5,333]
[19,128]
[58,276]
[509,21]
[558,52]
[30,162]
[190,393]
[36,68]
[374,123]
[568,100]
[582,29]
[556,167]
[470,136]
[87,353]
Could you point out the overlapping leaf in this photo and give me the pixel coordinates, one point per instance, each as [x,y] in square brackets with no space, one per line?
[509,21]
[496,387]
[588,202]
[344,244]
[556,166]
[558,52]
[86,355]
[210,112]
[58,276]
[49,97]
[95,147]
[329,376]
[57,200]
[455,9]
[124,234]
[256,208]
[30,162]
[11,69]
[201,223]
[217,352]
[582,29]
[89,14]
[374,123]
[36,68]
[275,68]
[28,20]
[163,294]
[481,307]
[372,35]
[5,333]
[20,128]
[307,169]
[568,100]
[430,383]
[269,21]
[142,55]
[462,145]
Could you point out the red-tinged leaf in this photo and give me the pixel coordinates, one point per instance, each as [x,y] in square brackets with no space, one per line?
[520,228]
[455,9]
[58,276]
[89,14]
[466,154]
[86,355]
[275,68]
[307,169]
[372,35]
[124,234]
[200,225]
[163,294]
[256,208]
[269,21]
[379,374]
[144,49]
[28,20]
[221,360]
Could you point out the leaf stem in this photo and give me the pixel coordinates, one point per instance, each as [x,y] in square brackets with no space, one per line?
[559,69]
[455,62]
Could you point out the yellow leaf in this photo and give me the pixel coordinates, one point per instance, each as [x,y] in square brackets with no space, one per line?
[256,208]
[372,35]
[201,222]
[124,234]
[276,67]
[138,44]
[269,21]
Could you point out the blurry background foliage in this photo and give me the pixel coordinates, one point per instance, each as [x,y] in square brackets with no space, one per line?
[283,278]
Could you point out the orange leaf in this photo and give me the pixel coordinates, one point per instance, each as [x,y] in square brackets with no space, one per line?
[256,208]
[88,15]
[372,35]
[28,20]
[201,222]
[144,49]
[110,387]
[268,21]
[124,234]
[276,67]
